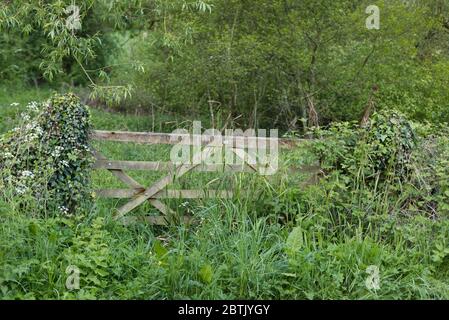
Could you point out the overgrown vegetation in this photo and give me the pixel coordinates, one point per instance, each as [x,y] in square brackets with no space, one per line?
[291,64]
[381,202]
[48,156]
[375,103]
[392,157]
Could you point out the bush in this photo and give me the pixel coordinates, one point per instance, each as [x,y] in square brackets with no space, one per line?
[48,156]
[383,146]
[398,163]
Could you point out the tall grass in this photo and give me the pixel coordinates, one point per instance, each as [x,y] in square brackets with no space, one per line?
[273,240]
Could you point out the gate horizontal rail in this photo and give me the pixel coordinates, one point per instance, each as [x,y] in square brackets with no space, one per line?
[191,139]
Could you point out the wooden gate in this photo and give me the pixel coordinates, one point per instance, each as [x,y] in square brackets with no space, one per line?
[207,144]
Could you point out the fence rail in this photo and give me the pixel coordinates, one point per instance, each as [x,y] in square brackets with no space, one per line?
[191,139]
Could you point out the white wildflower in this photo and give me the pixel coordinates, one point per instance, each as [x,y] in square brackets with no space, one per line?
[63,209]
[25,116]
[14,104]
[31,126]
[27,174]
[21,189]
[57,152]
[39,130]
[33,131]
[32,106]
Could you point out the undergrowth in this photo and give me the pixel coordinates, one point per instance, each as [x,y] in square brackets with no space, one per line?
[382,200]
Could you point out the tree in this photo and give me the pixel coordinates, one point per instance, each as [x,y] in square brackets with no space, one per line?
[59,27]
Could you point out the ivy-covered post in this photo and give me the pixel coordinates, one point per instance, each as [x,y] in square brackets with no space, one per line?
[49,156]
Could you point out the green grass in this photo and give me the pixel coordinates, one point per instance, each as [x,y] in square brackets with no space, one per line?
[273,240]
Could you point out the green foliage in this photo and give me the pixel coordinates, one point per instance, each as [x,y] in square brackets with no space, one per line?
[382,200]
[274,240]
[263,62]
[90,253]
[266,62]
[383,146]
[228,256]
[392,166]
[51,48]
[48,155]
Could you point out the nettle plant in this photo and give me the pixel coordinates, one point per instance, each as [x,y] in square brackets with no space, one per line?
[48,156]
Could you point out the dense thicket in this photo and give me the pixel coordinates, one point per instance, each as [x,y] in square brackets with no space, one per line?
[280,63]
[277,62]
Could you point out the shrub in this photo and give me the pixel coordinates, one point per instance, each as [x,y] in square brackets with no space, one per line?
[383,146]
[390,159]
[48,155]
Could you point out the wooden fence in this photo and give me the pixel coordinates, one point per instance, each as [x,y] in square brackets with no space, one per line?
[139,194]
